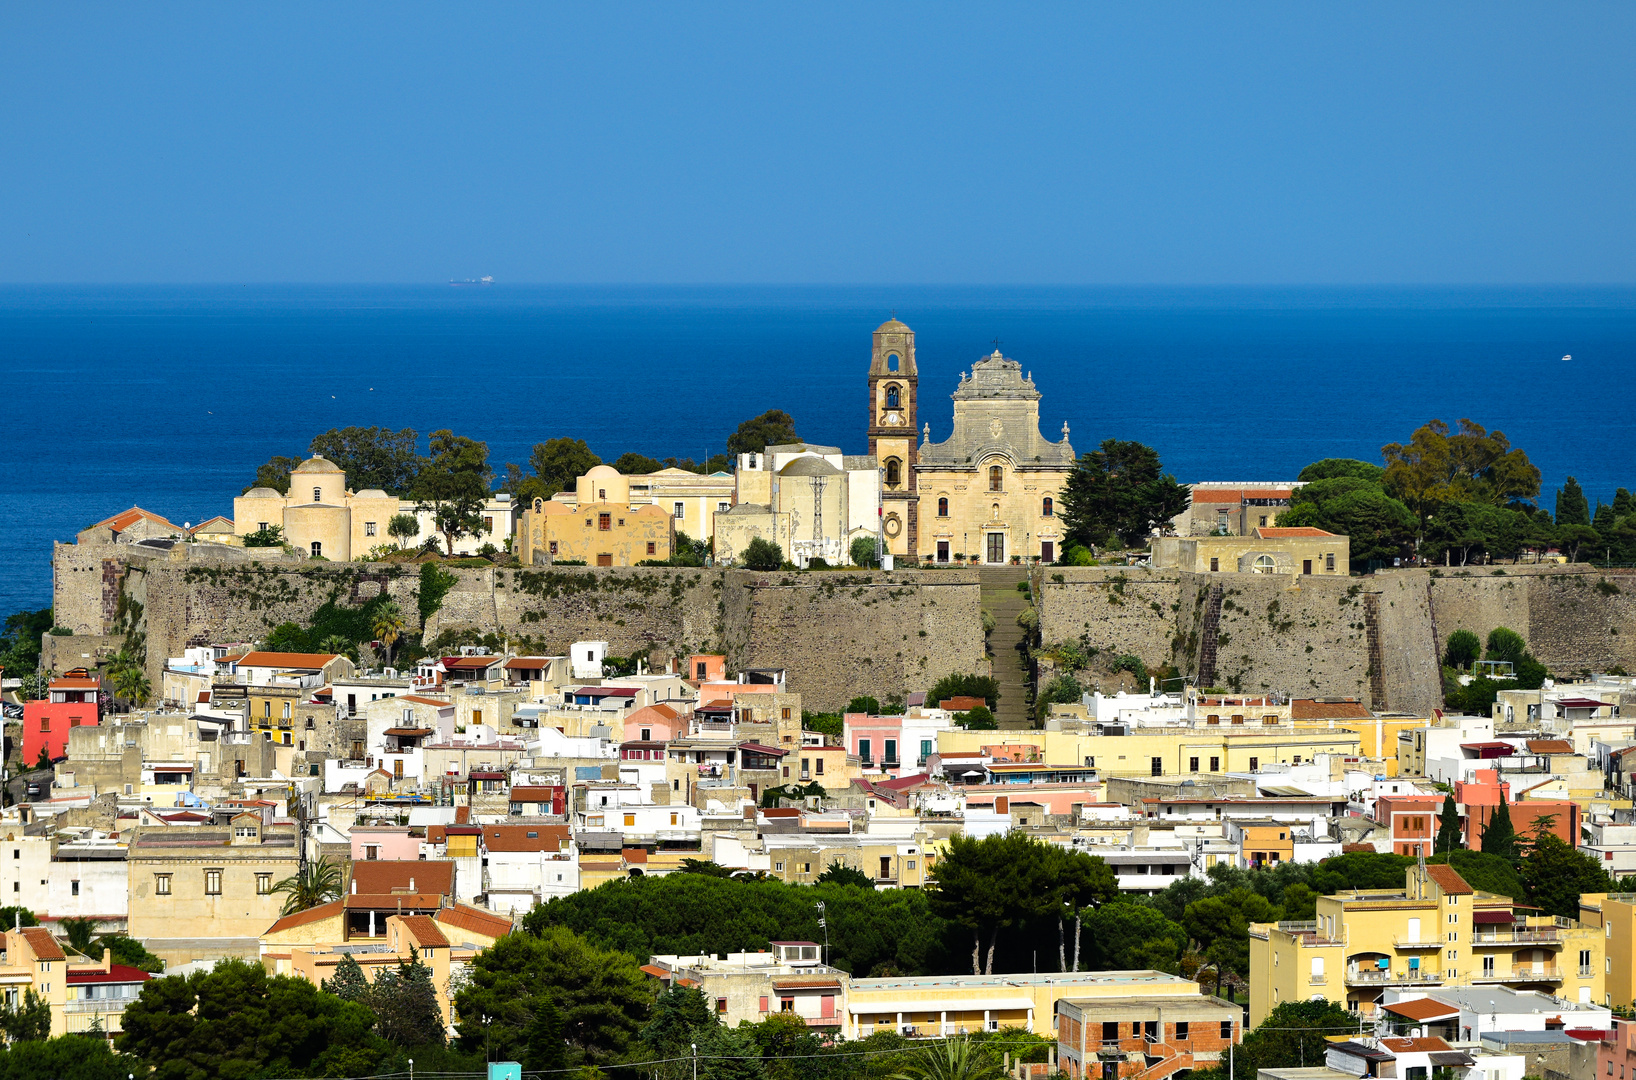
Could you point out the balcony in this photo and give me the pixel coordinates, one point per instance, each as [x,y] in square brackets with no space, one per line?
[1404,942]
[1517,938]
[1518,975]
[1318,980]
[1376,977]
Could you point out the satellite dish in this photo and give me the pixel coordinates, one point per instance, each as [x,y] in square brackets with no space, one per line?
[1566,358]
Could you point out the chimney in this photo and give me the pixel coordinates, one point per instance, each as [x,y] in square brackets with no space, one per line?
[354,886]
[411,885]
[107,960]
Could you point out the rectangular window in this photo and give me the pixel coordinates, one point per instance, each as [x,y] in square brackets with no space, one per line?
[371,852]
[1255,763]
[784,713]
[1215,764]
[865,751]
[721,1003]
[678,514]
[369,528]
[74,888]
[604,522]
[1157,765]
[1192,764]
[161,884]
[1329,562]
[820,769]
[723,507]
[630,821]
[488,524]
[213,882]
[1215,565]
[1227,1029]
[1181,1029]
[264,884]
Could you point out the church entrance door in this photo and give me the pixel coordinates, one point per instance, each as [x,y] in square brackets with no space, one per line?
[996,547]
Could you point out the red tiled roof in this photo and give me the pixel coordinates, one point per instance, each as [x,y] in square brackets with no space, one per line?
[517,838]
[116,973]
[407,732]
[425,931]
[389,876]
[1312,709]
[532,793]
[474,920]
[1549,746]
[469,663]
[527,663]
[75,684]
[1423,1009]
[759,748]
[40,940]
[314,661]
[1580,703]
[302,918]
[418,700]
[1217,495]
[1276,532]
[1449,880]
[122,521]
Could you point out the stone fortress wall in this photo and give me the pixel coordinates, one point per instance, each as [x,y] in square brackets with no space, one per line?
[840,634]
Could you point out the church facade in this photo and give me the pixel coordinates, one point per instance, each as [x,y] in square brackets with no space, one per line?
[992,489]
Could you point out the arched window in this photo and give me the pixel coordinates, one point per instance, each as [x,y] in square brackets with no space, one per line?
[317,494]
[891,397]
[892,362]
[894,472]
[996,478]
[1048,508]
[317,549]
[1264,565]
[943,508]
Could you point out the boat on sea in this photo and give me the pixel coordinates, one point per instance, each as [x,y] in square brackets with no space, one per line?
[485,280]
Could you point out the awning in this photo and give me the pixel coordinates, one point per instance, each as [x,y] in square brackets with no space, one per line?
[408,732]
[1490,749]
[934,1005]
[1491,916]
[758,748]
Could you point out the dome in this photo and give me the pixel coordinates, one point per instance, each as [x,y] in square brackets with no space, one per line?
[262,493]
[809,466]
[372,493]
[602,470]
[892,326]
[316,464]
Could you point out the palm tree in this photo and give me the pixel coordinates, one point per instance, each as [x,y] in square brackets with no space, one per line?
[81,934]
[316,883]
[131,683]
[952,1059]
[388,626]
[337,644]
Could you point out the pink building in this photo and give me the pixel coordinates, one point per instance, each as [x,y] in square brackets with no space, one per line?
[385,843]
[876,740]
[1485,788]
[655,723]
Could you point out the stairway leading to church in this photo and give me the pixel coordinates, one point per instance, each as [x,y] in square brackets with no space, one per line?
[1003,600]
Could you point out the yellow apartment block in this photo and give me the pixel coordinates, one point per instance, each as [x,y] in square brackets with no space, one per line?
[1377,735]
[1436,931]
[1615,914]
[937,1006]
[1168,751]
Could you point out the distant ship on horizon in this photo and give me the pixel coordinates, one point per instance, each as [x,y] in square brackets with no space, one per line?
[486,279]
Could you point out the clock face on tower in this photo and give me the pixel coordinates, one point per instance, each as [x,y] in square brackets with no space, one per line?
[892,419]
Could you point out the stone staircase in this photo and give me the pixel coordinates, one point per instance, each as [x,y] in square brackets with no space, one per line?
[1207,638]
[1002,599]
[1377,659]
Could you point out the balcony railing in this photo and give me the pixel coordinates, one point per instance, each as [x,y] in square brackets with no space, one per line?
[1376,977]
[1586,971]
[1417,943]
[1542,936]
[106,1006]
[1318,980]
[1522,974]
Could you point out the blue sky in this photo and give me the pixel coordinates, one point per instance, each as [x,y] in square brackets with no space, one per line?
[788,143]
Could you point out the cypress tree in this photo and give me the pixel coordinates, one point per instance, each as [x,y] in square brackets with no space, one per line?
[349,982]
[1499,838]
[1448,827]
[1572,508]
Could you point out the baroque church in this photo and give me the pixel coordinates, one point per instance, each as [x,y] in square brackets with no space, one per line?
[990,490]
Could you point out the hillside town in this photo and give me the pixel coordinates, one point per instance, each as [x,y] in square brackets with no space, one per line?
[1127,853]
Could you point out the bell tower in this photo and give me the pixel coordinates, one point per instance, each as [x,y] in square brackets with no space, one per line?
[893,384]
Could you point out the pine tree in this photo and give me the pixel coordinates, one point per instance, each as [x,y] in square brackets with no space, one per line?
[349,982]
[1448,827]
[1499,837]
[546,1050]
[1572,508]
[405,1003]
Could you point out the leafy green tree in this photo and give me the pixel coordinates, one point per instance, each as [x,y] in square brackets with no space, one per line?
[1448,826]
[404,1002]
[131,684]
[559,462]
[315,883]
[1460,532]
[28,1020]
[237,1021]
[80,933]
[863,552]
[349,982]
[1118,492]
[275,474]
[1330,468]
[402,527]
[1295,1032]
[1379,526]
[20,641]
[1062,689]
[775,427]
[963,685]
[454,485]
[838,873]
[1572,508]
[1464,647]
[1573,538]
[686,551]
[1556,874]
[631,464]
[372,457]
[1220,926]
[601,994]
[13,916]
[729,1054]
[1128,936]
[1499,837]
[763,554]
[270,537]
[679,1014]
[865,705]
[1439,465]
[1507,645]
[67,1057]
[978,719]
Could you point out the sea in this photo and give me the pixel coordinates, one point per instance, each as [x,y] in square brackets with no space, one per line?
[168,397]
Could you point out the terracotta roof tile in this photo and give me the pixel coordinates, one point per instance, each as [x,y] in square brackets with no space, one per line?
[1449,880]
[302,918]
[394,876]
[40,940]
[286,659]
[425,931]
[1423,1009]
[475,920]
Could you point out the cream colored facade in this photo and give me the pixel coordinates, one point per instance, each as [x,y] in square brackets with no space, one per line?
[321,517]
[1296,551]
[993,489]
[812,501]
[597,534]
[1167,751]
[1421,937]
[691,499]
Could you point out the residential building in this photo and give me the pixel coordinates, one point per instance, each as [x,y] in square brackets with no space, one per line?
[1299,550]
[98,994]
[812,501]
[1146,1036]
[748,987]
[71,701]
[1224,508]
[596,534]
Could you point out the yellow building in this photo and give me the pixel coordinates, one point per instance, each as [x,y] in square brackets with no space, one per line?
[1272,550]
[1436,931]
[1168,751]
[597,534]
[1615,914]
[933,1007]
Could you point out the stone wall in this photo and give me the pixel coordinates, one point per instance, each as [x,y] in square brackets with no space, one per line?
[840,635]
[1113,610]
[1574,618]
[663,610]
